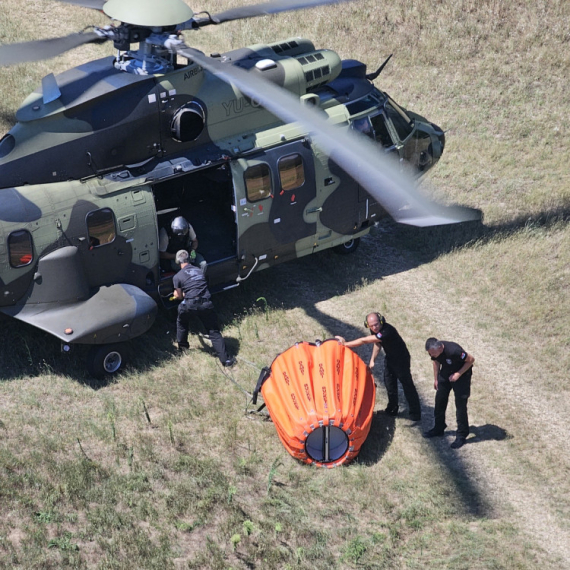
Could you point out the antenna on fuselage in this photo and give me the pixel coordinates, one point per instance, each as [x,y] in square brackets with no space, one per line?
[373,76]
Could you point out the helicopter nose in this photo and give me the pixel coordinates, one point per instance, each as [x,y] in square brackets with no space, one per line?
[442,140]
[440,135]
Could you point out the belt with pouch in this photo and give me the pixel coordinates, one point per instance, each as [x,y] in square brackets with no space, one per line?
[196,301]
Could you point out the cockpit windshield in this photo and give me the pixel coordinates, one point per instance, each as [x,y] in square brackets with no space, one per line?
[403,124]
[400,111]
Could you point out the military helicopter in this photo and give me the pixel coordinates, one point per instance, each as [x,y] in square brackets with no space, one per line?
[272,152]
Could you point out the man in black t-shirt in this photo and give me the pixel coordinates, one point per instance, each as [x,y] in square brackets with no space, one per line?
[452,369]
[387,337]
[191,288]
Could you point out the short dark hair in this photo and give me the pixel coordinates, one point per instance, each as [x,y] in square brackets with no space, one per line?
[433,343]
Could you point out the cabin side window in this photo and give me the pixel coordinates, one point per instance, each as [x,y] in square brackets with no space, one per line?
[20,248]
[291,172]
[258,182]
[188,122]
[100,227]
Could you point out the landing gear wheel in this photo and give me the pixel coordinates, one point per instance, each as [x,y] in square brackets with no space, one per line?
[347,247]
[105,359]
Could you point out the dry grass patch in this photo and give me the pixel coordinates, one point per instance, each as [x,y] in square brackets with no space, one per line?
[161,468]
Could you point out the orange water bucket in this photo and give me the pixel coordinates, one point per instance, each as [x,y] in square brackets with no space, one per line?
[321,399]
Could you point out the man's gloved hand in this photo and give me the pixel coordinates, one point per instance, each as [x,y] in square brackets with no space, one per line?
[193,255]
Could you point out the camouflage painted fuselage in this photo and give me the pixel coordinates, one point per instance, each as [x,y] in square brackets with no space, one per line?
[100,159]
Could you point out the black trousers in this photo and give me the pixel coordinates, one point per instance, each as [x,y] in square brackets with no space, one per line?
[209,319]
[462,391]
[399,369]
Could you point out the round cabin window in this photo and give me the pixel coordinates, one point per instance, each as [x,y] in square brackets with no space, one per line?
[188,122]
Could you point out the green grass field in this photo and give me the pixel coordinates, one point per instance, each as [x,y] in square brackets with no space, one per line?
[163,468]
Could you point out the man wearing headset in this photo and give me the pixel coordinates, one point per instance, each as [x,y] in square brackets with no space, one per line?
[387,337]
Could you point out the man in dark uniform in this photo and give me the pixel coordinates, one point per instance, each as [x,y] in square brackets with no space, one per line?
[452,369]
[180,236]
[387,337]
[191,288]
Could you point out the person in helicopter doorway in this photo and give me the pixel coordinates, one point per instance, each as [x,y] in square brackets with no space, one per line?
[191,288]
[385,336]
[452,370]
[180,236]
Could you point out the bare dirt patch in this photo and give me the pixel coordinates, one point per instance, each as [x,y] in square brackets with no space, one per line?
[518,459]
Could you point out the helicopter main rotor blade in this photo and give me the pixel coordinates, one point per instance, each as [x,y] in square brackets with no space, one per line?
[357,155]
[267,8]
[45,49]
[93,4]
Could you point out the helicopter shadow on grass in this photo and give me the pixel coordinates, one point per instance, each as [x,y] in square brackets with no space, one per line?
[473,498]
[426,244]
[391,249]
[7,117]
[27,351]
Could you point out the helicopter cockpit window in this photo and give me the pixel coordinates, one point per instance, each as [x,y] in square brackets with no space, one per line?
[258,182]
[402,123]
[381,131]
[20,248]
[364,104]
[291,172]
[101,227]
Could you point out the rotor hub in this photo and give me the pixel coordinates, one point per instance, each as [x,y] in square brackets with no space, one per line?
[148,13]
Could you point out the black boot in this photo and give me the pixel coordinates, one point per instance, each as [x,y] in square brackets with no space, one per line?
[433,432]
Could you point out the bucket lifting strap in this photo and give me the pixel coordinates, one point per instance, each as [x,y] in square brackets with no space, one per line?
[263,376]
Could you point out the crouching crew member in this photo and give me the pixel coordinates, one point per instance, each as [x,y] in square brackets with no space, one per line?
[191,288]
[180,236]
[387,337]
[452,369]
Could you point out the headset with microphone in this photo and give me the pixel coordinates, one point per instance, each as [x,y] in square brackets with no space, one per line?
[381,320]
